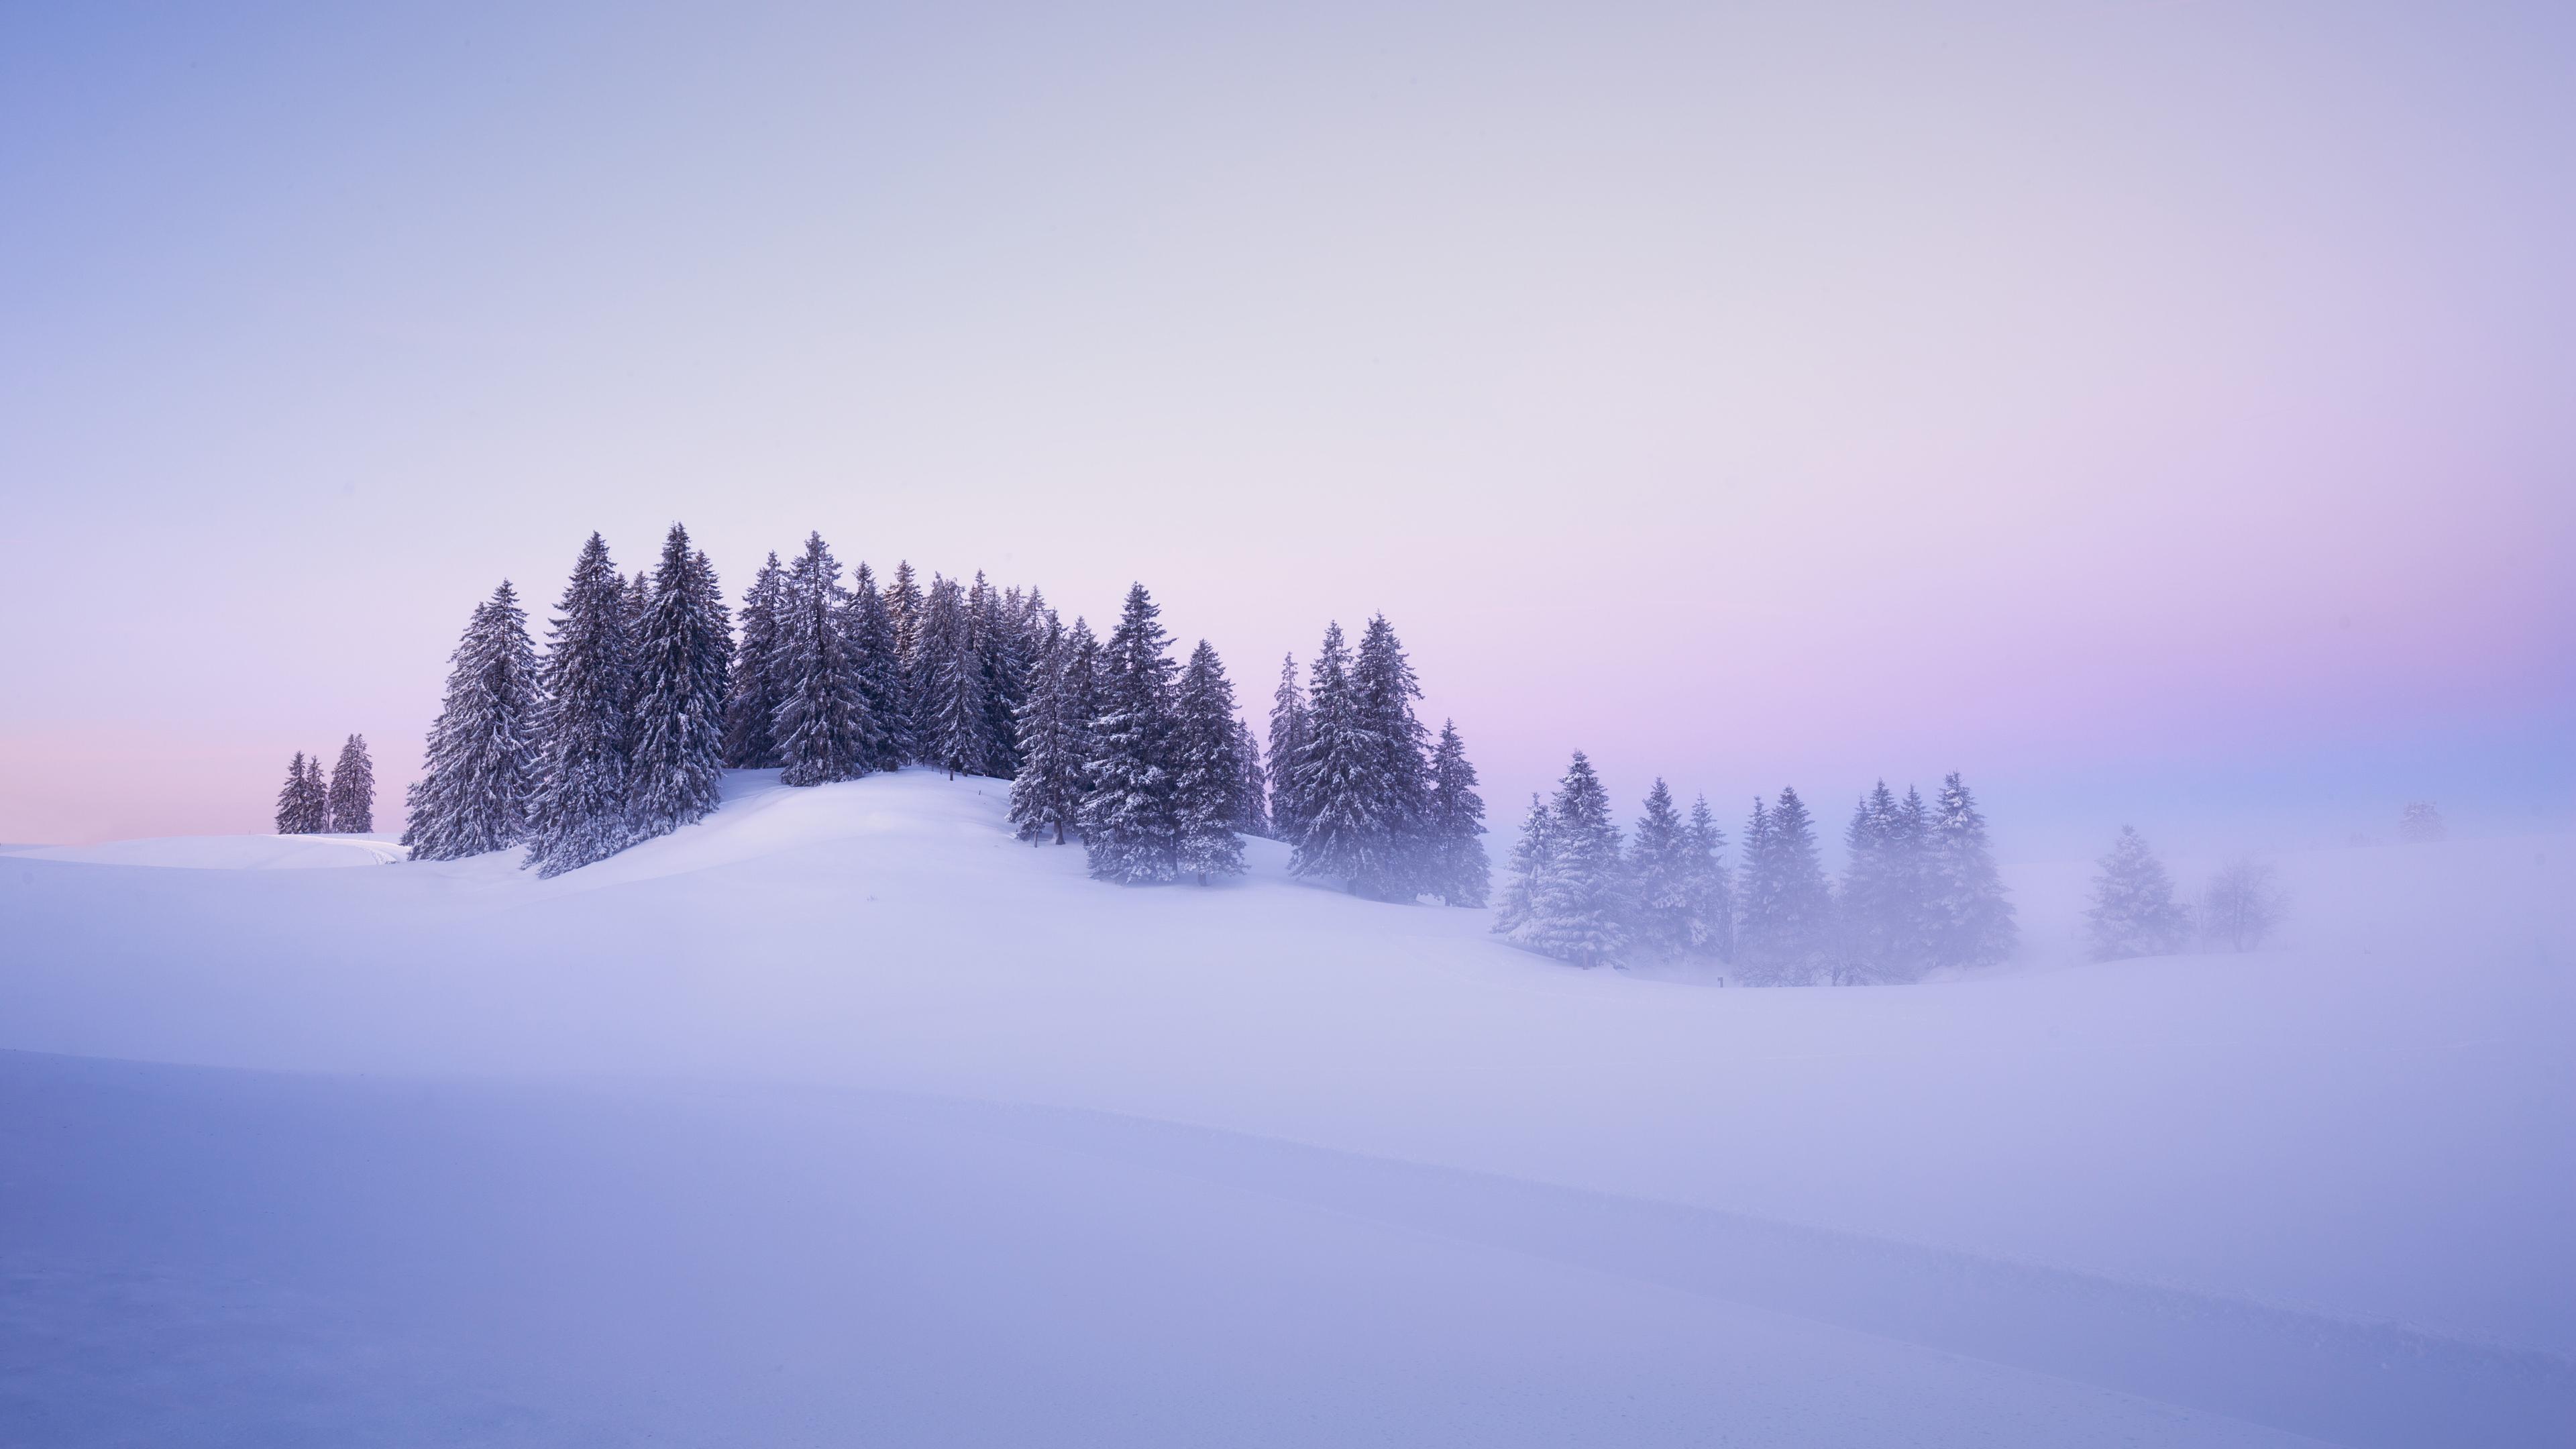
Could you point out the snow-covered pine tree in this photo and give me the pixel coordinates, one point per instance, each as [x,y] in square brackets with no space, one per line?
[1383,689]
[351,802]
[1531,855]
[1874,924]
[751,697]
[580,810]
[290,799]
[1251,794]
[873,651]
[1659,879]
[1912,847]
[822,725]
[317,796]
[1207,769]
[474,795]
[680,660]
[1788,905]
[1081,687]
[953,728]
[1753,891]
[639,600]
[1712,893]
[1046,795]
[1129,826]
[1290,729]
[1459,874]
[904,610]
[2133,910]
[1576,913]
[1972,923]
[1339,790]
[1001,661]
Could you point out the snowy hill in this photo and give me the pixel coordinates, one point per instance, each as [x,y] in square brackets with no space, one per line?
[2320,1188]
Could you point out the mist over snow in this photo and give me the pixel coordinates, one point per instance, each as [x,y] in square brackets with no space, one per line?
[845,1106]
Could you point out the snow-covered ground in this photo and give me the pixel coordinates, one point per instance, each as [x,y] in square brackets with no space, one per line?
[843,1117]
[227,852]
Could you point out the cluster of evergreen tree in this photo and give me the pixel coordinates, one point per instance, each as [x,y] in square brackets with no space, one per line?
[833,681]
[1921,889]
[614,736]
[1144,761]
[1360,789]
[644,695]
[342,803]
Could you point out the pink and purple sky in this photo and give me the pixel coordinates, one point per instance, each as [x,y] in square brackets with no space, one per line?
[2161,412]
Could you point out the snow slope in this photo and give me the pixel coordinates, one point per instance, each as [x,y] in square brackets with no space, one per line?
[2321,1189]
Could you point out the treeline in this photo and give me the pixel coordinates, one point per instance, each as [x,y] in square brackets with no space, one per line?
[342,803]
[1920,890]
[645,695]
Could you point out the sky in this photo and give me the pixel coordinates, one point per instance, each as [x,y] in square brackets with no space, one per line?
[2160,412]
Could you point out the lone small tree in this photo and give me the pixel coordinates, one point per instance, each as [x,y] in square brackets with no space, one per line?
[2243,905]
[2421,824]
[2134,912]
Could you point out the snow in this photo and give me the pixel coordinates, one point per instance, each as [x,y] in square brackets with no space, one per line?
[229,852]
[844,1115]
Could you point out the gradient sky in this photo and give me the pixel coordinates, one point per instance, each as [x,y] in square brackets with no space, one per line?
[2162,412]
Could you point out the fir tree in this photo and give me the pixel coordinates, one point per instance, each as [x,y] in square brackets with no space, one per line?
[822,725]
[1207,779]
[1785,930]
[317,797]
[1712,895]
[680,663]
[1575,912]
[1971,924]
[1458,871]
[476,791]
[1911,849]
[1659,879]
[1383,689]
[1877,914]
[580,810]
[878,657]
[1290,731]
[1046,795]
[953,729]
[1002,663]
[1251,798]
[1130,830]
[1342,830]
[292,817]
[751,697]
[351,804]
[2133,911]
[1531,856]
[1082,705]
[904,610]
